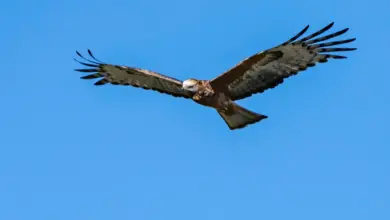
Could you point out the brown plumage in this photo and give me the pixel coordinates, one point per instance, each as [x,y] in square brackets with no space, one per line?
[255,74]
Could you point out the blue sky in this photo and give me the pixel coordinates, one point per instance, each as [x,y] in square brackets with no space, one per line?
[70,150]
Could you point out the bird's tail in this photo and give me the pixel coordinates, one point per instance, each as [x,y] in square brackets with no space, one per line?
[240,117]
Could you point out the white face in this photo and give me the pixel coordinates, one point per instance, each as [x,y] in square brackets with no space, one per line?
[190,85]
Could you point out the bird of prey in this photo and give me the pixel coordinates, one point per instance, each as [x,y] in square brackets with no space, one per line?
[255,74]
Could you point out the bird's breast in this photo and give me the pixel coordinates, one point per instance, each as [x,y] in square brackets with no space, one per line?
[211,98]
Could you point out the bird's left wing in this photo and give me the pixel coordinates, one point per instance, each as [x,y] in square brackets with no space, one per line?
[269,68]
[129,76]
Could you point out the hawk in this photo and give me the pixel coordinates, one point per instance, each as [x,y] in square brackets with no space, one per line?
[255,74]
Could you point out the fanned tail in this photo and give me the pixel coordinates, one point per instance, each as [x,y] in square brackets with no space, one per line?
[241,117]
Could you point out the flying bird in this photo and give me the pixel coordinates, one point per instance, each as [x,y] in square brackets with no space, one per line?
[255,74]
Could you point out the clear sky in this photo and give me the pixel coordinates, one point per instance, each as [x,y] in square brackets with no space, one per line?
[73,151]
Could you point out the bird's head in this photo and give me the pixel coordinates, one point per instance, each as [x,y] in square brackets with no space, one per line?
[191,85]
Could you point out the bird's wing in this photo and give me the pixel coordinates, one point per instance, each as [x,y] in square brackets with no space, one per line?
[129,76]
[269,68]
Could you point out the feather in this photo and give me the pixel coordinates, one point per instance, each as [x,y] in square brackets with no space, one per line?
[297,36]
[327,37]
[334,49]
[85,70]
[333,43]
[92,76]
[315,34]
[91,61]
[90,54]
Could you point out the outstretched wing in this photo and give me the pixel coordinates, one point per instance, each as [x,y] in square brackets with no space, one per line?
[129,76]
[268,69]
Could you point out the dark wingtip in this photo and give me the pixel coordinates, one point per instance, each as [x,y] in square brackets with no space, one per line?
[296,36]
[90,54]
[86,70]
[98,62]
[335,56]
[86,64]
[327,27]
[344,30]
[101,82]
[91,76]
[305,29]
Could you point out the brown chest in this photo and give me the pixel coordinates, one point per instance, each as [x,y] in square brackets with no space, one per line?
[209,97]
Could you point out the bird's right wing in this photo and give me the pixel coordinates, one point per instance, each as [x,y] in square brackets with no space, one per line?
[268,69]
[129,76]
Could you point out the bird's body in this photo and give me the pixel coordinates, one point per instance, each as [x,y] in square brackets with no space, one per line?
[255,74]
[205,95]
[218,98]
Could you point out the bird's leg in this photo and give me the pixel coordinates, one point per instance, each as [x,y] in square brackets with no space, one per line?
[196,97]
[206,92]
[225,105]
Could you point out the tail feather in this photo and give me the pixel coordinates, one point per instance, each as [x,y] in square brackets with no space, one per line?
[241,117]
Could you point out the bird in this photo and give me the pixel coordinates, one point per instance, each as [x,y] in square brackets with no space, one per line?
[255,74]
